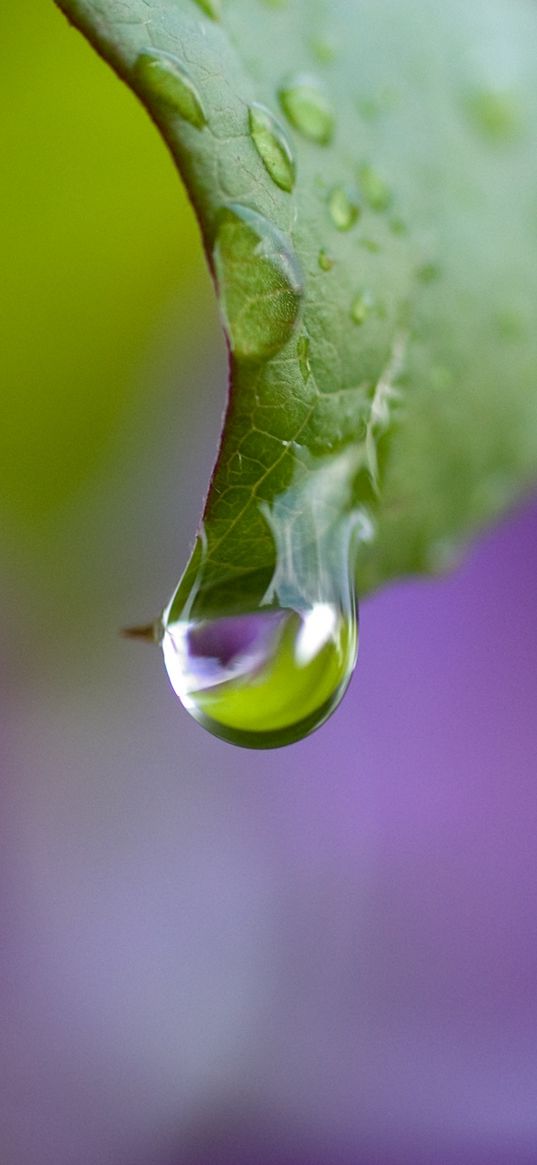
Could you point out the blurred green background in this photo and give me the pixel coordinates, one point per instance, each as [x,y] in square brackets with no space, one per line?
[104,287]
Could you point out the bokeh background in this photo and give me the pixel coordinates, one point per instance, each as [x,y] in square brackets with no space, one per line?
[320,956]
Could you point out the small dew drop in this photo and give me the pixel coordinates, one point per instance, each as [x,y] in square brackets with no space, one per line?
[259,282]
[303,356]
[510,325]
[324,48]
[308,109]
[374,188]
[397,226]
[429,272]
[212,8]
[344,208]
[371,245]
[373,107]
[165,80]
[362,306]
[369,108]
[496,115]
[273,146]
[326,262]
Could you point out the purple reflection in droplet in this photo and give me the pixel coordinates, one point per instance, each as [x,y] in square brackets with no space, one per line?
[217,650]
[225,639]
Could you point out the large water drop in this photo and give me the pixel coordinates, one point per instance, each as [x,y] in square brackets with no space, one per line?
[266,678]
[259,282]
[263,668]
[165,80]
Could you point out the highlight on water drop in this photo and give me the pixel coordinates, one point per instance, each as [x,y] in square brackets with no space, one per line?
[263,668]
[166,81]
[273,146]
[308,109]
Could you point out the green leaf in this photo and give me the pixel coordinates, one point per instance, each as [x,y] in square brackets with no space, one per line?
[365,180]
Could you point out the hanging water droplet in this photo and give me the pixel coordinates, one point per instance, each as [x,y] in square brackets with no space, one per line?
[272,146]
[344,208]
[326,262]
[264,679]
[268,668]
[308,109]
[165,80]
[259,282]
[212,8]
[303,356]
[374,188]
[361,306]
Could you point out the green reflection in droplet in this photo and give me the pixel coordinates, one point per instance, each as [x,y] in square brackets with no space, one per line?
[267,670]
[165,80]
[259,282]
[272,146]
[308,109]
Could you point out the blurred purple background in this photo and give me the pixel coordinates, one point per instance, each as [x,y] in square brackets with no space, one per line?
[322,954]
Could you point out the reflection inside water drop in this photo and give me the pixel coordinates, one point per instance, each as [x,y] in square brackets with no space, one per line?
[264,665]
[262,679]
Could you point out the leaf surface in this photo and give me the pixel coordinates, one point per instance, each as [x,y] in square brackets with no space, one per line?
[364,176]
